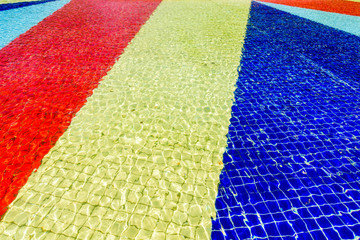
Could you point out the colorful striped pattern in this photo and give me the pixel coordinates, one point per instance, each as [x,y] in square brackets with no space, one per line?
[118,130]
[143,155]
[37,108]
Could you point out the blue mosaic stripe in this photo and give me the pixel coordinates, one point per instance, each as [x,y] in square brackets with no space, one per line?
[16,21]
[8,6]
[350,24]
[291,168]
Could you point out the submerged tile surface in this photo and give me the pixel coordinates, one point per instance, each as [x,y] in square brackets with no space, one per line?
[291,168]
[142,158]
[43,85]
[15,19]
[349,24]
[336,6]
[140,155]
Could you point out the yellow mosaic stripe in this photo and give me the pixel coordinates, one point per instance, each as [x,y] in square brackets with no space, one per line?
[141,160]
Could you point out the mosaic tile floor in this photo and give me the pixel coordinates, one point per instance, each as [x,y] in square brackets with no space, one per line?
[179,119]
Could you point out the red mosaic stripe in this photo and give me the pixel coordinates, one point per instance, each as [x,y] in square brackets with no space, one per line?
[47,73]
[336,6]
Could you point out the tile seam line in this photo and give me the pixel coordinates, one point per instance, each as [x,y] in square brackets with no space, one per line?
[238,69]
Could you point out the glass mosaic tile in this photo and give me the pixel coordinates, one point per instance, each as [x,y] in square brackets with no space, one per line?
[179,119]
[291,168]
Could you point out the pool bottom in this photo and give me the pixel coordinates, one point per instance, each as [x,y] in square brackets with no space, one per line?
[291,168]
[142,158]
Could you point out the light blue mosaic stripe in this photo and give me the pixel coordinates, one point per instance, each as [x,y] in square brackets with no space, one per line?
[16,21]
[349,24]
